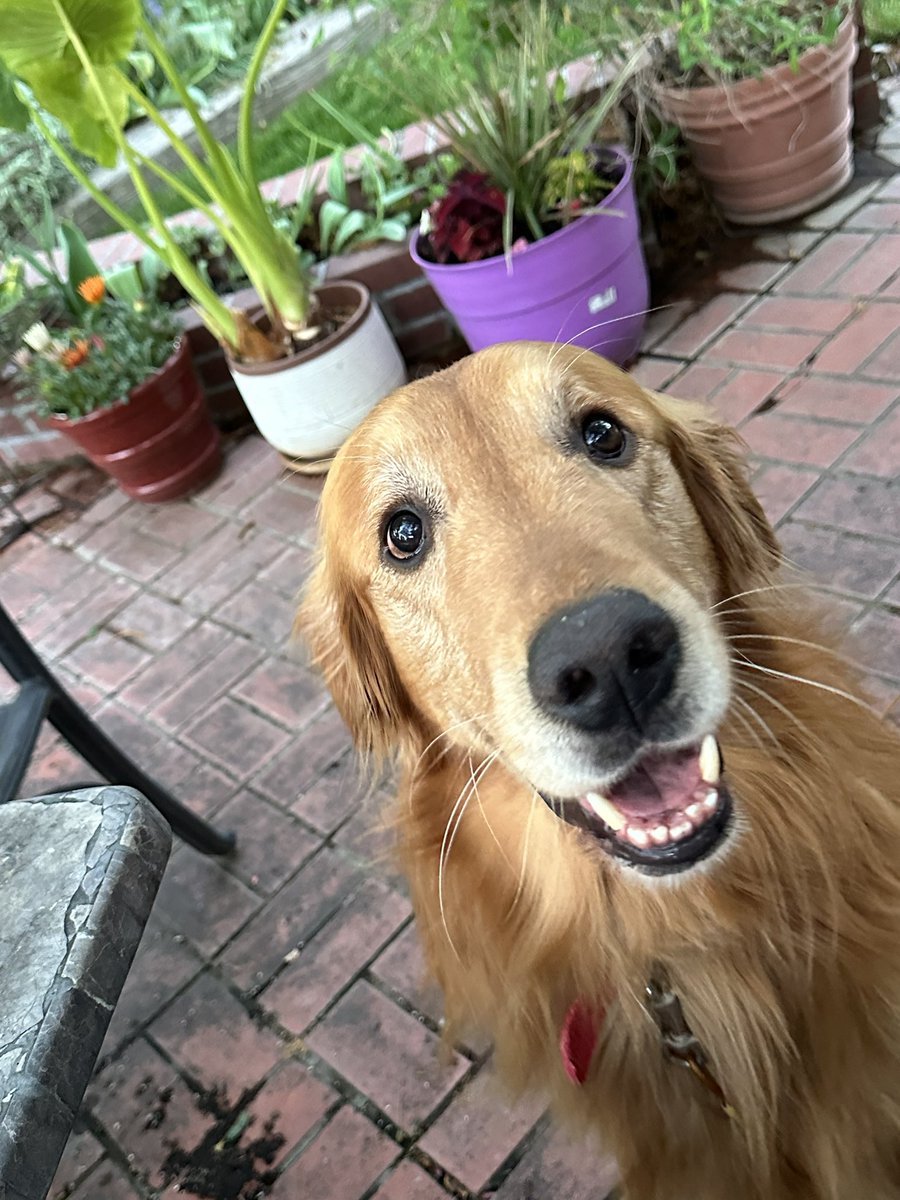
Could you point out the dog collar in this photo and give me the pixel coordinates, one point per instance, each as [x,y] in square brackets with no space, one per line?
[583,1022]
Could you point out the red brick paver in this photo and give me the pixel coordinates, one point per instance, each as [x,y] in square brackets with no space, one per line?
[284,990]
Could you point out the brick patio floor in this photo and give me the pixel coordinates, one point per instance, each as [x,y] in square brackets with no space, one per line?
[278,997]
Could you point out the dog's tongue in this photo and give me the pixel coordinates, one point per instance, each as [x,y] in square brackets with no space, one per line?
[658,784]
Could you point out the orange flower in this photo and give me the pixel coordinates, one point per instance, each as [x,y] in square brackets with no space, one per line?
[92,289]
[75,354]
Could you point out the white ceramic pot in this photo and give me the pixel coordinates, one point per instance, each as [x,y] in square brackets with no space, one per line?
[306,405]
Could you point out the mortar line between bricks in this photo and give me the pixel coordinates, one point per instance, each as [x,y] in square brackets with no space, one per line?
[335,997]
[32,608]
[820,290]
[295,729]
[860,369]
[810,372]
[755,295]
[299,1148]
[403,1002]
[116,1155]
[835,468]
[810,583]
[163,695]
[102,1161]
[192,1082]
[881,598]
[383,1176]
[142,1029]
[720,331]
[517,1153]
[302,822]
[249,996]
[406,1140]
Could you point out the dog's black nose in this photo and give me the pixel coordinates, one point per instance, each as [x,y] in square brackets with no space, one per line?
[605,662]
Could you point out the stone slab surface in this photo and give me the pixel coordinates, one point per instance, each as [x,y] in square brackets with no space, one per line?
[78,875]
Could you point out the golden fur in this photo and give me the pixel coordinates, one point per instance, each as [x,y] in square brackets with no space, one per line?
[784,949]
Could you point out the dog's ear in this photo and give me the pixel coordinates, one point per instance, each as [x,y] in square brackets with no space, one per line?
[710,460]
[337,622]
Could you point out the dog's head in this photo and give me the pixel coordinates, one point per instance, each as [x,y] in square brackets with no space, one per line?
[523,555]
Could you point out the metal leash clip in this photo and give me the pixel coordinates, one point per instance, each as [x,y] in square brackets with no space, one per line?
[678,1040]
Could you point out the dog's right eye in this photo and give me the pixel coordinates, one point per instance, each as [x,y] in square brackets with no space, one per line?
[604,437]
[404,536]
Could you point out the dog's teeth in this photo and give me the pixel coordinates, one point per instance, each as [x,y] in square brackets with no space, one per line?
[659,835]
[710,760]
[711,800]
[637,835]
[681,829]
[605,810]
[694,812]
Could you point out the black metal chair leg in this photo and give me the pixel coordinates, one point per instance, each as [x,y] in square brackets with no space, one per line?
[85,737]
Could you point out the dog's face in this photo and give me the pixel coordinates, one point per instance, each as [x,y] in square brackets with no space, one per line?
[523,555]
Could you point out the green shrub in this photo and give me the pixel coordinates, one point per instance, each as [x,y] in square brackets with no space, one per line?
[210,42]
[29,173]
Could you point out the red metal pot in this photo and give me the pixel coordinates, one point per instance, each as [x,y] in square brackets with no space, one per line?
[160,444]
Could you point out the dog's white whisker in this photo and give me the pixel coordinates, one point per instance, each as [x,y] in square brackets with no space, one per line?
[777,587]
[745,723]
[443,734]
[446,846]
[535,800]
[441,865]
[772,637]
[641,312]
[759,720]
[813,683]
[484,815]
[782,708]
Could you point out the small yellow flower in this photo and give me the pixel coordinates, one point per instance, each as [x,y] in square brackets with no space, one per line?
[92,289]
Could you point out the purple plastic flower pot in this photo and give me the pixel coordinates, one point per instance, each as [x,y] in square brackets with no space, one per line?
[585,284]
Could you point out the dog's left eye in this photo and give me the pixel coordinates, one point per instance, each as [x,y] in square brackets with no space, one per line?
[604,437]
[404,536]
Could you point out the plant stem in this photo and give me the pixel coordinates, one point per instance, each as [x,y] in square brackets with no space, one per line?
[212,185]
[220,318]
[218,158]
[245,116]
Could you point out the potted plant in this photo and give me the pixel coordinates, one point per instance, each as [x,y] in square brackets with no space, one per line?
[312,361]
[537,237]
[114,374]
[761,93]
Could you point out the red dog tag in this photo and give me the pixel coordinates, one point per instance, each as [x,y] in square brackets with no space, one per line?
[578,1039]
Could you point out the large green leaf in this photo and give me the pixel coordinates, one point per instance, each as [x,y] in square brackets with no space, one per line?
[33,31]
[125,282]
[64,90]
[36,45]
[13,113]
[80,263]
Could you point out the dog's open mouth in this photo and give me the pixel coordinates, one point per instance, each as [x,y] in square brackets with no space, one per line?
[669,812]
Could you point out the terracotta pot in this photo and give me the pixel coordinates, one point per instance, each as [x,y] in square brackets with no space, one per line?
[306,405]
[776,146]
[159,444]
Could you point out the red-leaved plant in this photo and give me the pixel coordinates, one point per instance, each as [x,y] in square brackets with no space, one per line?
[466,224]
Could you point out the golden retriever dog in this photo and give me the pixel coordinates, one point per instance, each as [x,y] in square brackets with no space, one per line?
[649,823]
